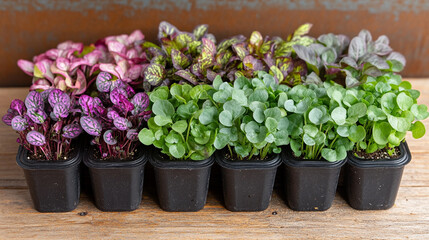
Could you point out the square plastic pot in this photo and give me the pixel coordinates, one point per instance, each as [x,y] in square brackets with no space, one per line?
[374,184]
[181,186]
[310,185]
[247,185]
[54,185]
[116,185]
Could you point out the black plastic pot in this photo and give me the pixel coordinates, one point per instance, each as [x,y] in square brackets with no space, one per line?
[116,185]
[182,186]
[374,184]
[310,185]
[54,185]
[247,185]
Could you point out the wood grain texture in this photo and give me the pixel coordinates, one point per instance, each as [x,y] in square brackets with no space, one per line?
[409,218]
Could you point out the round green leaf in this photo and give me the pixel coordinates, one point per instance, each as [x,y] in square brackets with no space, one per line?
[404,101]
[357,110]
[339,115]
[329,154]
[381,132]
[162,120]
[418,130]
[357,133]
[225,117]
[163,108]
[258,115]
[208,115]
[271,124]
[180,126]
[177,150]
[146,136]
[400,124]
[221,140]
[420,111]
[315,116]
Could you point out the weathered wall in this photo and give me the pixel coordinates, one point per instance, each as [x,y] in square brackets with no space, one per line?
[28,27]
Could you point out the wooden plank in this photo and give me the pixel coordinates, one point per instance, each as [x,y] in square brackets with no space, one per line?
[409,218]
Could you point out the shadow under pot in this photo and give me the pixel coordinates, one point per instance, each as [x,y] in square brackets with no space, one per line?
[374,184]
[117,185]
[310,185]
[181,186]
[247,185]
[54,185]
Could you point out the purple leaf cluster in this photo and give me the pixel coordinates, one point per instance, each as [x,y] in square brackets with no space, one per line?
[46,122]
[115,116]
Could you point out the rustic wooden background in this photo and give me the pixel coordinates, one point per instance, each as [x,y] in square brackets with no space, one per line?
[30,27]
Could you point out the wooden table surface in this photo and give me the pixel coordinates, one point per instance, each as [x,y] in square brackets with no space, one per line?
[409,218]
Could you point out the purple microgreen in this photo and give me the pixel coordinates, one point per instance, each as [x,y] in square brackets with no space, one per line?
[109,138]
[36,138]
[19,123]
[72,130]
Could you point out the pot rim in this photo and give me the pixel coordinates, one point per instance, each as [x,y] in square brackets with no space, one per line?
[97,164]
[401,161]
[290,160]
[27,164]
[156,161]
[272,162]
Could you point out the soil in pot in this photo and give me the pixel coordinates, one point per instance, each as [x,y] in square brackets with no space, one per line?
[310,185]
[117,185]
[247,185]
[374,184]
[182,186]
[54,185]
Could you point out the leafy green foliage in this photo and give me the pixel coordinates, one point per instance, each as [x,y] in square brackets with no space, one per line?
[323,120]
[252,118]
[185,122]
[392,110]
[350,63]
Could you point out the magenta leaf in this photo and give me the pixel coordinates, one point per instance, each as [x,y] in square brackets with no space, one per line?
[63,64]
[36,138]
[72,130]
[34,100]
[122,123]
[132,134]
[103,82]
[26,66]
[7,118]
[112,114]
[18,105]
[115,95]
[45,94]
[140,102]
[37,115]
[19,123]
[87,104]
[109,138]
[90,125]
[61,110]
[57,96]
